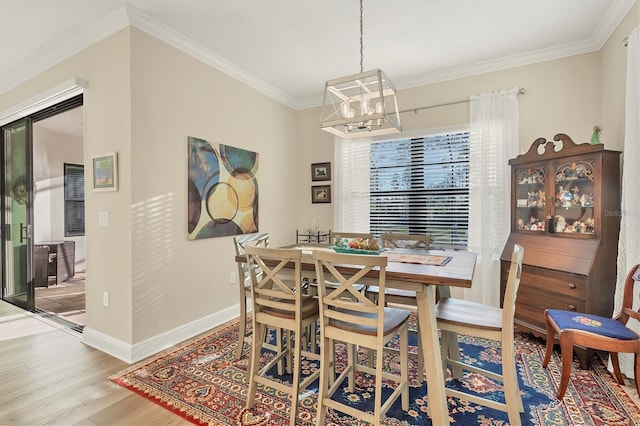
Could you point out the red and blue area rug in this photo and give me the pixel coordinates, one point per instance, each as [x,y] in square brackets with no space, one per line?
[201,381]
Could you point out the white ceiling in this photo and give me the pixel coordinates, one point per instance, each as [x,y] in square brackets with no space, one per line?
[289,48]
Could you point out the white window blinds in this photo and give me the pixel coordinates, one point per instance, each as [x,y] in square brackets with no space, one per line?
[416,186]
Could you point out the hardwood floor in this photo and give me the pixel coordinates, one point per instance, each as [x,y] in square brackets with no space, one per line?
[49,377]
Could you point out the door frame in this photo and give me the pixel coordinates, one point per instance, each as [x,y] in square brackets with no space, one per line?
[31,107]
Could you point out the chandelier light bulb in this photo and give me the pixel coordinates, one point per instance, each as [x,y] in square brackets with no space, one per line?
[364,105]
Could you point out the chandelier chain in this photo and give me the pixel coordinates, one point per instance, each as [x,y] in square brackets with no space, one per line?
[361,48]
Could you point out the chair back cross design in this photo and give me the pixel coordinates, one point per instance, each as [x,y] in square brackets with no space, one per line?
[346,315]
[279,303]
[244,283]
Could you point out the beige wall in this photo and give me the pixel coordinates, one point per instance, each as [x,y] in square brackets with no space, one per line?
[614,71]
[145,98]
[107,127]
[568,95]
[176,281]
[562,96]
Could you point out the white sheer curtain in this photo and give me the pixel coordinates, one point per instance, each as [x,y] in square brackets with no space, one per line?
[629,243]
[352,165]
[494,140]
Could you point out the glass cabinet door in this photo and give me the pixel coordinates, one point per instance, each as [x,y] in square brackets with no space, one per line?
[530,199]
[574,199]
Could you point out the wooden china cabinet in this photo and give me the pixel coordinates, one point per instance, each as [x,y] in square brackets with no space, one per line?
[565,212]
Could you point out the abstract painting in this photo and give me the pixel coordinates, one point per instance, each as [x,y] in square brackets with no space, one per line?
[223,190]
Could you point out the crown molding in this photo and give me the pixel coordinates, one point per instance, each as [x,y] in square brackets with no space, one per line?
[57,94]
[54,53]
[615,14]
[162,32]
[128,15]
[484,67]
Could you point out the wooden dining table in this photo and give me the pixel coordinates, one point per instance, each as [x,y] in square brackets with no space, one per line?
[421,271]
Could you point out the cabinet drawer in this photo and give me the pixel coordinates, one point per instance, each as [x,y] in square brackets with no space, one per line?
[554,282]
[530,314]
[547,300]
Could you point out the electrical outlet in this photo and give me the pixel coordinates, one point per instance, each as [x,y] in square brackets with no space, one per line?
[232,277]
[105,298]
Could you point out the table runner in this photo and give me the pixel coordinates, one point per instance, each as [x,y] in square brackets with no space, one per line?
[429,259]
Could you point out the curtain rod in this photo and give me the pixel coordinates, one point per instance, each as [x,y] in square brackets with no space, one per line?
[415,110]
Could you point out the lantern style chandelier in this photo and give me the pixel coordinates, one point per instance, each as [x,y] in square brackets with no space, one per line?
[360,105]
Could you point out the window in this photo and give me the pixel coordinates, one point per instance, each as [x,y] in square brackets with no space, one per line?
[73,200]
[416,186]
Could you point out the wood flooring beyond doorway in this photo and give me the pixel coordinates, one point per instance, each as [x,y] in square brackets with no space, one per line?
[65,300]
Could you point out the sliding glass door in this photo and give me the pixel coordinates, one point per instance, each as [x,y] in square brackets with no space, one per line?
[17,276]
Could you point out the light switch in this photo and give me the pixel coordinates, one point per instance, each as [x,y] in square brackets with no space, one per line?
[103,218]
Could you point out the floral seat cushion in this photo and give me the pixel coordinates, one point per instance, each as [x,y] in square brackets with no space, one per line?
[567,320]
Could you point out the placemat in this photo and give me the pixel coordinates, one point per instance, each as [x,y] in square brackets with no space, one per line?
[429,259]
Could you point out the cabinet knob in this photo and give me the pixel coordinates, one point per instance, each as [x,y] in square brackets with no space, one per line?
[572,285]
[572,307]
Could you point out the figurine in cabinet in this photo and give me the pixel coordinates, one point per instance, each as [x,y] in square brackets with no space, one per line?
[589,224]
[586,200]
[520,224]
[561,223]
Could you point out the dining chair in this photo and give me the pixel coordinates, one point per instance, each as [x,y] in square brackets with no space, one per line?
[348,316]
[596,332]
[489,322]
[400,240]
[349,235]
[244,283]
[399,296]
[278,302]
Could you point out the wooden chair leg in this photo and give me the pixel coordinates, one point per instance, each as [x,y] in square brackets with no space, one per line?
[326,371]
[352,359]
[510,382]
[551,334]
[404,367]
[566,346]
[279,348]
[420,357]
[295,346]
[254,368]
[378,391]
[637,371]
[290,348]
[616,367]
[242,327]
[449,349]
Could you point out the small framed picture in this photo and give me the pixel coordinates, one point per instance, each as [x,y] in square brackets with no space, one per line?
[320,171]
[321,194]
[105,172]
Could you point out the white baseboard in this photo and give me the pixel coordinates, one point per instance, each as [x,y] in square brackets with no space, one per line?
[133,353]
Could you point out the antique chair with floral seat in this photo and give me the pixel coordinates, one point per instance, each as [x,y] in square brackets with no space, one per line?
[458,316]
[279,303]
[596,332]
[347,315]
